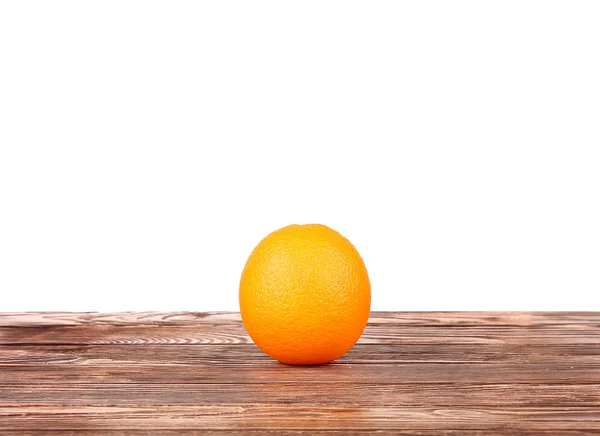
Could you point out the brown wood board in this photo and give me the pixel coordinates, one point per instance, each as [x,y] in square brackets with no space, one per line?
[426,373]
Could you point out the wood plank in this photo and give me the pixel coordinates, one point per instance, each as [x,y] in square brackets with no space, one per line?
[420,319]
[486,319]
[273,372]
[329,393]
[207,334]
[312,432]
[299,418]
[251,355]
[201,334]
[38,319]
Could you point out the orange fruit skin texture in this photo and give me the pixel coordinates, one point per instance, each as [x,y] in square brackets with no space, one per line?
[305,295]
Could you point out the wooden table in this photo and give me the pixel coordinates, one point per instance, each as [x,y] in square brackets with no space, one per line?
[199,373]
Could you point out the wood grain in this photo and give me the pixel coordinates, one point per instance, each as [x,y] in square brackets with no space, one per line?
[297,394]
[295,417]
[250,355]
[507,431]
[421,319]
[206,334]
[422,373]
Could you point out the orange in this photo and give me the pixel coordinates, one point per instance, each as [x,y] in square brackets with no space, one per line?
[305,295]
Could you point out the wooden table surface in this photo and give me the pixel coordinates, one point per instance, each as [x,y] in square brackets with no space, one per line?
[199,373]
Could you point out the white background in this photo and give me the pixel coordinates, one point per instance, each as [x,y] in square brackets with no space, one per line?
[146,147]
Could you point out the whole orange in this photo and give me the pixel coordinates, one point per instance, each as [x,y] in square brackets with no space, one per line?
[305,295]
